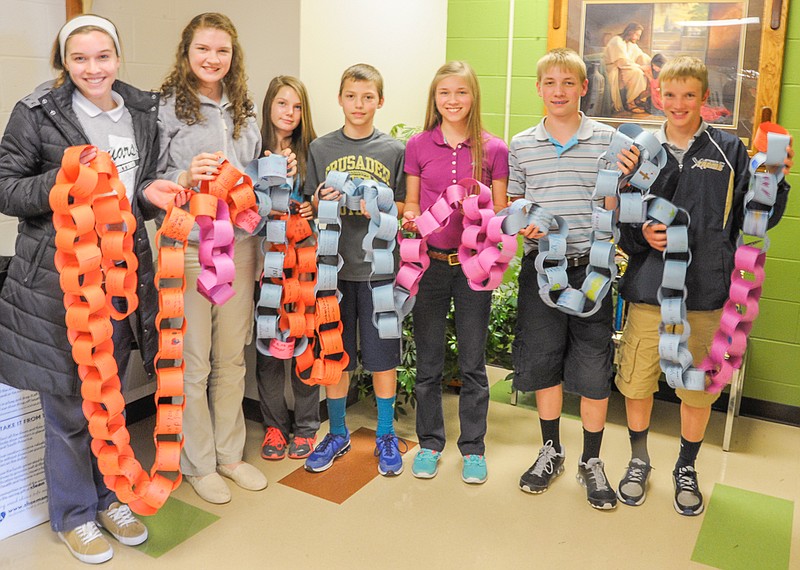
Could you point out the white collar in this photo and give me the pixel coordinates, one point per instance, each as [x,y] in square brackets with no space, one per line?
[79,100]
[661,134]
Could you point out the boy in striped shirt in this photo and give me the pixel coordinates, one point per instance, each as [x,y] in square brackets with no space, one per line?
[554,164]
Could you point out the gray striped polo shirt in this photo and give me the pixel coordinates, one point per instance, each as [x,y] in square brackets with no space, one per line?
[560,182]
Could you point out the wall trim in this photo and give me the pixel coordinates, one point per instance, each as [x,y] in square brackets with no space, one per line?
[509,68]
[751,408]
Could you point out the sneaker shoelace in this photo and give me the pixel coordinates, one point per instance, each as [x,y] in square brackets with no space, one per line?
[300,441]
[473,459]
[121,515]
[326,442]
[687,480]
[596,472]
[88,532]
[427,455]
[387,445]
[544,463]
[274,437]
[635,473]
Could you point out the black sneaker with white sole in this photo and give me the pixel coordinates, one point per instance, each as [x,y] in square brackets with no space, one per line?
[632,489]
[548,466]
[688,498]
[598,492]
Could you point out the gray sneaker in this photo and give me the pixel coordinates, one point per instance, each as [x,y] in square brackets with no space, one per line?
[548,466]
[688,498]
[632,489]
[598,492]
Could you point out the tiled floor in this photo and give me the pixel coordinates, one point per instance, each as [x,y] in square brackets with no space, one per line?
[403,522]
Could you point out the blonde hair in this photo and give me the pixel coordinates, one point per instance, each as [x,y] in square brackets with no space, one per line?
[685,67]
[363,72]
[57,60]
[564,59]
[474,125]
[182,83]
[302,135]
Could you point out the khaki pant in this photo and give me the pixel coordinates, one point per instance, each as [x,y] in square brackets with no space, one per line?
[213,421]
[639,370]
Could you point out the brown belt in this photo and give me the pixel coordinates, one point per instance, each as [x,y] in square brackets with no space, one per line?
[451,257]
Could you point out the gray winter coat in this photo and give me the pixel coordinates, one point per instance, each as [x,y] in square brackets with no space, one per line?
[34,351]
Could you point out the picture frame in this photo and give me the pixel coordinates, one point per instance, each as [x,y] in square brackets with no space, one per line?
[741,42]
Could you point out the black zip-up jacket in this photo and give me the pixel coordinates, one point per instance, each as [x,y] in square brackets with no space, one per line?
[34,351]
[711,186]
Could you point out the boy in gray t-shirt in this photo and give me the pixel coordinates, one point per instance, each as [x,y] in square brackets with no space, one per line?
[364,152]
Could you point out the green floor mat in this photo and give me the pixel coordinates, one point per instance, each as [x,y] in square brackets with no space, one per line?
[174,523]
[501,392]
[745,530]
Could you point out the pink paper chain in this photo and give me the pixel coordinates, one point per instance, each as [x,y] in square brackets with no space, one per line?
[738,315]
[215,281]
[485,251]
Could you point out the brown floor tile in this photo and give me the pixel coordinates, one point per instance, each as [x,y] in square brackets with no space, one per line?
[348,474]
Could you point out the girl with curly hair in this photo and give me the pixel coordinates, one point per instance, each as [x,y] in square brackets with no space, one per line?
[207,114]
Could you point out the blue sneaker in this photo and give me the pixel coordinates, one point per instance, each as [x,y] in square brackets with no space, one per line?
[426,464]
[329,449]
[387,449]
[474,469]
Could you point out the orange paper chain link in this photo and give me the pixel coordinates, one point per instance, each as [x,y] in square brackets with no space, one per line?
[96,262]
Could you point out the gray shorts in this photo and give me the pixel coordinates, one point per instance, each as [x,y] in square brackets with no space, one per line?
[550,346]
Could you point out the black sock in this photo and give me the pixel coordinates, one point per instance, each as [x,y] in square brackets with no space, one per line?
[591,444]
[639,445]
[688,453]
[551,431]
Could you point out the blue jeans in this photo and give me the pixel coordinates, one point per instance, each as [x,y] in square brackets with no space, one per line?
[75,487]
[270,377]
[440,283]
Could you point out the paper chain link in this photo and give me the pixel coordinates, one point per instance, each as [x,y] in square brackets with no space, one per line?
[95,258]
[389,308]
[741,309]
[280,310]
[294,315]
[235,205]
[485,250]
[551,262]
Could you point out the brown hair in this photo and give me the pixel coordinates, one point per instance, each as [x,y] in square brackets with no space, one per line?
[474,125]
[363,72]
[302,135]
[182,83]
[631,29]
[55,57]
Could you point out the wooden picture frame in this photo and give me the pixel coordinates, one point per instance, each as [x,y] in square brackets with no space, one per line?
[742,43]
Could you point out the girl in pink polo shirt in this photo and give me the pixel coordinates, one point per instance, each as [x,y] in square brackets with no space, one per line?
[453,146]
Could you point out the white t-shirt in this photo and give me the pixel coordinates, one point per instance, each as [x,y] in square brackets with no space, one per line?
[111,131]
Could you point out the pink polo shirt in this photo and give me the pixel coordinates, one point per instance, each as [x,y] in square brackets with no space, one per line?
[438,165]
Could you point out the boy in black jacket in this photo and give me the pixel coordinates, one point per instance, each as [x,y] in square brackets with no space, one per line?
[707,175]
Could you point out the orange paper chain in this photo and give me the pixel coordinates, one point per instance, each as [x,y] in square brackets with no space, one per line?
[95,259]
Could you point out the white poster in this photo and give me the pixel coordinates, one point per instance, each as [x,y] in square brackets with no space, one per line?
[23,491]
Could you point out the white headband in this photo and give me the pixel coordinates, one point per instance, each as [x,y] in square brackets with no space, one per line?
[82,21]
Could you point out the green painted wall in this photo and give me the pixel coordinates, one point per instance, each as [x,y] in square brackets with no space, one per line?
[477,31]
